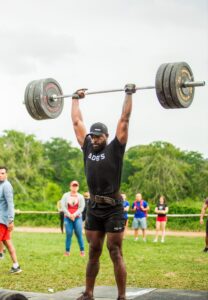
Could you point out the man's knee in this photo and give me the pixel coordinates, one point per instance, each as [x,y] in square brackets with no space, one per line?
[115,252]
[94,252]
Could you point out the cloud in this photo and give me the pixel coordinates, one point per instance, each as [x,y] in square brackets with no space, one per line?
[24,50]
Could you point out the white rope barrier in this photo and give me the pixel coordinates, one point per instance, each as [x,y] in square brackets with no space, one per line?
[18,212]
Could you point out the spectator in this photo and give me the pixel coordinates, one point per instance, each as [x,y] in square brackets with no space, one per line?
[126,209]
[87,198]
[161,210]
[61,215]
[141,208]
[73,205]
[1,250]
[7,218]
[204,208]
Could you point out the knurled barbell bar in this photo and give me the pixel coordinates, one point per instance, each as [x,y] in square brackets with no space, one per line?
[174,84]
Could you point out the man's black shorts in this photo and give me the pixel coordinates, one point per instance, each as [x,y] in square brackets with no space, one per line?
[207,227]
[105,217]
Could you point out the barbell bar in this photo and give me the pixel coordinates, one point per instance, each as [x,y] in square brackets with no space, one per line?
[150,87]
[174,84]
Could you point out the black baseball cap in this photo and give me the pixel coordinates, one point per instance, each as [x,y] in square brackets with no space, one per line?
[98,129]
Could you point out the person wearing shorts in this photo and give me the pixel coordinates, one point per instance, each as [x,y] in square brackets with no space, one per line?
[7,218]
[203,211]
[161,210]
[126,209]
[103,166]
[140,207]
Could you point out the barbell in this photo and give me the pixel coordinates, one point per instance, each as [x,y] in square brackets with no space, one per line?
[174,84]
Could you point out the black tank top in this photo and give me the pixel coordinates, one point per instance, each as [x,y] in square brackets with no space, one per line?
[161,207]
[103,169]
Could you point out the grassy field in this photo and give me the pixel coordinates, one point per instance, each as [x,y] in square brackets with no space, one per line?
[178,263]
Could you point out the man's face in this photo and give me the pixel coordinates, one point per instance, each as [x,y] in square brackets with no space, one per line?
[3,175]
[99,142]
[139,197]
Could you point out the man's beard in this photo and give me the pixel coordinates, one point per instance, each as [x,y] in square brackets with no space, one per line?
[99,147]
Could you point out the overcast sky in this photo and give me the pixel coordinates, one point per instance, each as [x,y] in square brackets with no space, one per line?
[103,45]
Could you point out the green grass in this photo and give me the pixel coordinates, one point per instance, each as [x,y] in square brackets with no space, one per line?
[178,263]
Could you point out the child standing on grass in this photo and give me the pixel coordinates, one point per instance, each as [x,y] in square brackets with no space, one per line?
[161,210]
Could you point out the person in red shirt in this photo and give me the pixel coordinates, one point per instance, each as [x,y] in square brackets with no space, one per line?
[73,204]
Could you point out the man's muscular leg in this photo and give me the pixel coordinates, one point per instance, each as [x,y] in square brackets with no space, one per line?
[95,240]
[114,244]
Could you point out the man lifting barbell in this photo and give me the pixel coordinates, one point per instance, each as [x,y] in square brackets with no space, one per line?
[103,166]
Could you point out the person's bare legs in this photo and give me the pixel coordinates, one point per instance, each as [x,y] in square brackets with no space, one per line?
[144,234]
[126,227]
[163,225]
[114,244]
[157,231]
[136,234]
[206,240]
[11,250]
[1,247]
[95,240]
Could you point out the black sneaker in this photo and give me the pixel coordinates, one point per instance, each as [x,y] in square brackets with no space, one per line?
[205,249]
[15,270]
[1,255]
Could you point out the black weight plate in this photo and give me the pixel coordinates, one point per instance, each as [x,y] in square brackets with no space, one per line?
[29,95]
[166,86]
[159,86]
[52,108]
[12,296]
[48,108]
[26,100]
[38,98]
[32,102]
[182,95]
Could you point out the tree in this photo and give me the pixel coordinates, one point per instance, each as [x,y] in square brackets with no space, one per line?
[28,170]
[66,161]
[160,168]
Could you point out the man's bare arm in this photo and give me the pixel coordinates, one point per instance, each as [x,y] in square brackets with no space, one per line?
[204,207]
[77,120]
[123,123]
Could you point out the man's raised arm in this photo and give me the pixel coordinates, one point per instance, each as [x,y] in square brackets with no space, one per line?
[76,116]
[123,123]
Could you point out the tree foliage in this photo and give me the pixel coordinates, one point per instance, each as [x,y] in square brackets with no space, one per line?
[40,172]
[160,168]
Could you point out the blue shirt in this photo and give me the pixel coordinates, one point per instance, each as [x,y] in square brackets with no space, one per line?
[6,203]
[139,213]
[125,204]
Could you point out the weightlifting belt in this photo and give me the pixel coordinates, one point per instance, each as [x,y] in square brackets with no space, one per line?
[106,199]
